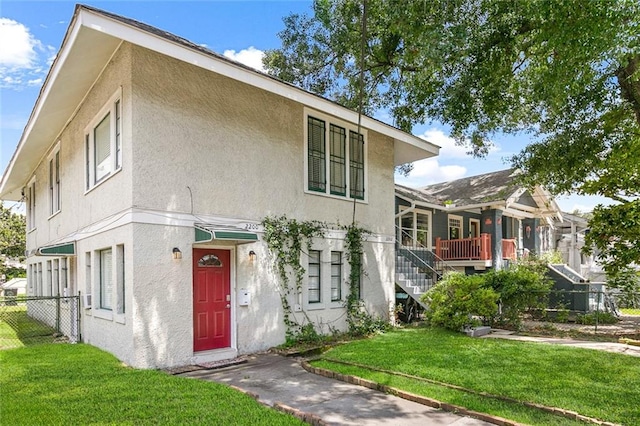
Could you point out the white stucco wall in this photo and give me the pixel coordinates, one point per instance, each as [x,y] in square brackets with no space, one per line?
[107,330]
[239,149]
[77,208]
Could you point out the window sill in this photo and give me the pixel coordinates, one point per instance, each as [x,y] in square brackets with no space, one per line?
[31,230]
[115,172]
[315,306]
[120,318]
[103,314]
[54,215]
[336,197]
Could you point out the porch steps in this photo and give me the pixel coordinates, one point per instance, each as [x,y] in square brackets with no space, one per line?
[411,280]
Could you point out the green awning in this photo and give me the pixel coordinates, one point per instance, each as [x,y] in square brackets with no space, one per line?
[64,249]
[206,233]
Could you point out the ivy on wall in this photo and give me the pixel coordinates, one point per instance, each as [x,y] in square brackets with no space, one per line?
[286,239]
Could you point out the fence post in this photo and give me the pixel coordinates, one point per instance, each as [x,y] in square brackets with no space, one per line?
[597,311]
[58,313]
[78,307]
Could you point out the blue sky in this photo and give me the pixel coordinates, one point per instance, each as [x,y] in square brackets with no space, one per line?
[31,33]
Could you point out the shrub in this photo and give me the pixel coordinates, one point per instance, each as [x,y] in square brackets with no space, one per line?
[523,287]
[460,300]
[602,317]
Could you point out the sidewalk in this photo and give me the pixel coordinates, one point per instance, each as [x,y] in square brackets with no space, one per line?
[586,344]
[275,378]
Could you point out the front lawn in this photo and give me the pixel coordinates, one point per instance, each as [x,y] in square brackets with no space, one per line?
[630,311]
[79,384]
[593,383]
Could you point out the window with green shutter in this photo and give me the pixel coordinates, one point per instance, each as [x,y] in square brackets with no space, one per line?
[314,276]
[316,155]
[336,276]
[356,165]
[335,157]
[338,160]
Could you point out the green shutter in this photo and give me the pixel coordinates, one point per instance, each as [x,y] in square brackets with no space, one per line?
[316,155]
[356,165]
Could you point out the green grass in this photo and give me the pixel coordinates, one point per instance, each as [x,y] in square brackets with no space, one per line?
[630,311]
[593,383]
[17,329]
[79,384]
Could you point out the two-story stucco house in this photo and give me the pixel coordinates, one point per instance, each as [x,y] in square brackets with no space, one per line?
[147,166]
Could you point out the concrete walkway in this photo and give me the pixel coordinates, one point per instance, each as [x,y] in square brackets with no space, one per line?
[275,378]
[586,344]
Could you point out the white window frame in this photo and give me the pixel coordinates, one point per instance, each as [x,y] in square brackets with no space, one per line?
[105,282]
[327,246]
[31,204]
[340,277]
[414,229]
[116,296]
[319,276]
[54,180]
[113,108]
[349,127]
[460,219]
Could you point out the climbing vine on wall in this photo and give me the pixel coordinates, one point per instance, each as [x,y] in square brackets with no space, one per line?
[285,238]
[359,320]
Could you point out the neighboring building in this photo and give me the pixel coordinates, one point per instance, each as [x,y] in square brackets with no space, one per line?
[569,241]
[147,166]
[469,225]
[14,287]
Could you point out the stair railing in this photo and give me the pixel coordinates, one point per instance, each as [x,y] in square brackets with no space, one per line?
[436,265]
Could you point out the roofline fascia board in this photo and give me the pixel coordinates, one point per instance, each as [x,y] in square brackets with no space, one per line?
[155,43]
[58,62]
[513,198]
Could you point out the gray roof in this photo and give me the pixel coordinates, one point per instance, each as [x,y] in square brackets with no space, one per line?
[473,190]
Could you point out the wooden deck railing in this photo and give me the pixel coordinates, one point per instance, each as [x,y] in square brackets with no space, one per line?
[509,249]
[478,248]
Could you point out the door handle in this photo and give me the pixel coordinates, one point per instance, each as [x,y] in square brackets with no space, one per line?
[228,305]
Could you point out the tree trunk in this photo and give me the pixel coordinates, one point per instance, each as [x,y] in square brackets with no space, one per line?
[629,81]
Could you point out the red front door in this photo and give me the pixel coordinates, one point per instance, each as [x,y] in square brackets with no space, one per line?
[211,299]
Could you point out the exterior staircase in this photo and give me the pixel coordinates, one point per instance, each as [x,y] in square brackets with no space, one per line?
[417,270]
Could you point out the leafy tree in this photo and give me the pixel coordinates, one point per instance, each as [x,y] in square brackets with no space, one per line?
[567,73]
[12,233]
[628,284]
[12,241]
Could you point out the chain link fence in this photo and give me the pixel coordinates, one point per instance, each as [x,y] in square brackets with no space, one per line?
[26,320]
[593,308]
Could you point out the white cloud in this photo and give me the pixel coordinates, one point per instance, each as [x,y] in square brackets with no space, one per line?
[449,149]
[428,171]
[17,45]
[21,56]
[251,57]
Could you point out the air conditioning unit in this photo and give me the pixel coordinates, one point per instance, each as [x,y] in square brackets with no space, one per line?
[86,301]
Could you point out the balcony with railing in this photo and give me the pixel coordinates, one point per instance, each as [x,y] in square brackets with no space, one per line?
[476,248]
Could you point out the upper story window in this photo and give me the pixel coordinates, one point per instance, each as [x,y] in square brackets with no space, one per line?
[31,204]
[331,147]
[54,181]
[103,142]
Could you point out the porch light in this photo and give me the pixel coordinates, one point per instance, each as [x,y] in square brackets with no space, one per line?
[252,256]
[177,254]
